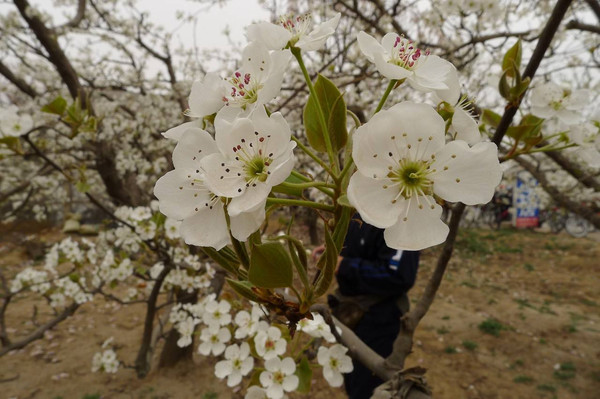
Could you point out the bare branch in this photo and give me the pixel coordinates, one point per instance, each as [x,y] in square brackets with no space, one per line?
[79,16]
[574,24]
[20,83]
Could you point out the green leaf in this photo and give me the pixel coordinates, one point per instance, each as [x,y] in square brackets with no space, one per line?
[344,201]
[304,373]
[292,191]
[243,288]
[520,88]
[491,118]
[503,86]
[270,266]
[512,60]
[82,186]
[12,143]
[57,106]
[332,103]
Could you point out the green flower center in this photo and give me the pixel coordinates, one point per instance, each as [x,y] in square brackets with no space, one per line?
[412,178]
[256,168]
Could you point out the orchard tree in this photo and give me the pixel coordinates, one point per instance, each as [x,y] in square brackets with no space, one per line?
[376,107]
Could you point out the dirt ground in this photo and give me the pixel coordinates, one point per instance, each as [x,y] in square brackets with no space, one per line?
[517,316]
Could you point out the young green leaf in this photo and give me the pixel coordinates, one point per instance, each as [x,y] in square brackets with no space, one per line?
[270,266]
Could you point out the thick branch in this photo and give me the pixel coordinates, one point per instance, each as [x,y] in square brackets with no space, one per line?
[20,83]
[546,36]
[574,170]
[39,333]
[144,356]
[574,24]
[573,206]
[74,23]
[55,53]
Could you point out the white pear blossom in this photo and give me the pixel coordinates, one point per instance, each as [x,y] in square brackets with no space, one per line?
[293,30]
[549,100]
[186,329]
[317,327]
[184,195]
[587,138]
[256,392]
[12,124]
[217,312]
[237,364]
[213,340]
[269,343]
[398,58]
[105,361]
[172,228]
[279,377]
[255,154]
[247,322]
[335,362]
[257,82]
[403,161]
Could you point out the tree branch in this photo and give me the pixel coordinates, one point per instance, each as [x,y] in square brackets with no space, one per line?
[79,16]
[39,333]
[20,83]
[574,24]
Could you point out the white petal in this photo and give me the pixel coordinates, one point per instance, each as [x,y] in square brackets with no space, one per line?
[542,111]
[222,177]
[369,45]
[223,368]
[430,74]
[274,130]
[247,223]
[577,100]
[241,129]
[389,70]
[282,167]
[247,365]
[177,197]
[176,132]
[290,383]
[206,96]
[288,366]
[218,348]
[569,117]
[372,201]
[194,144]
[275,391]
[273,36]
[472,173]
[207,228]
[253,198]
[316,39]
[419,229]
[273,364]
[204,348]
[465,127]
[452,93]
[272,85]
[323,355]
[334,378]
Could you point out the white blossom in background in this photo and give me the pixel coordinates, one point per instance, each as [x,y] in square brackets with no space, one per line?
[335,362]
[587,138]
[12,124]
[398,58]
[294,30]
[217,313]
[269,344]
[255,154]
[213,340]
[237,364]
[403,162]
[183,194]
[318,328]
[172,228]
[550,100]
[247,323]
[105,361]
[279,377]
[186,329]
[256,392]
[257,82]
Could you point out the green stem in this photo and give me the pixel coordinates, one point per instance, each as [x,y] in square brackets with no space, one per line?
[385,95]
[347,167]
[313,156]
[294,202]
[308,184]
[332,158]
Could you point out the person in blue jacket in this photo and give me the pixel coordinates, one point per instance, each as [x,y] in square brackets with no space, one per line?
[374,280]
